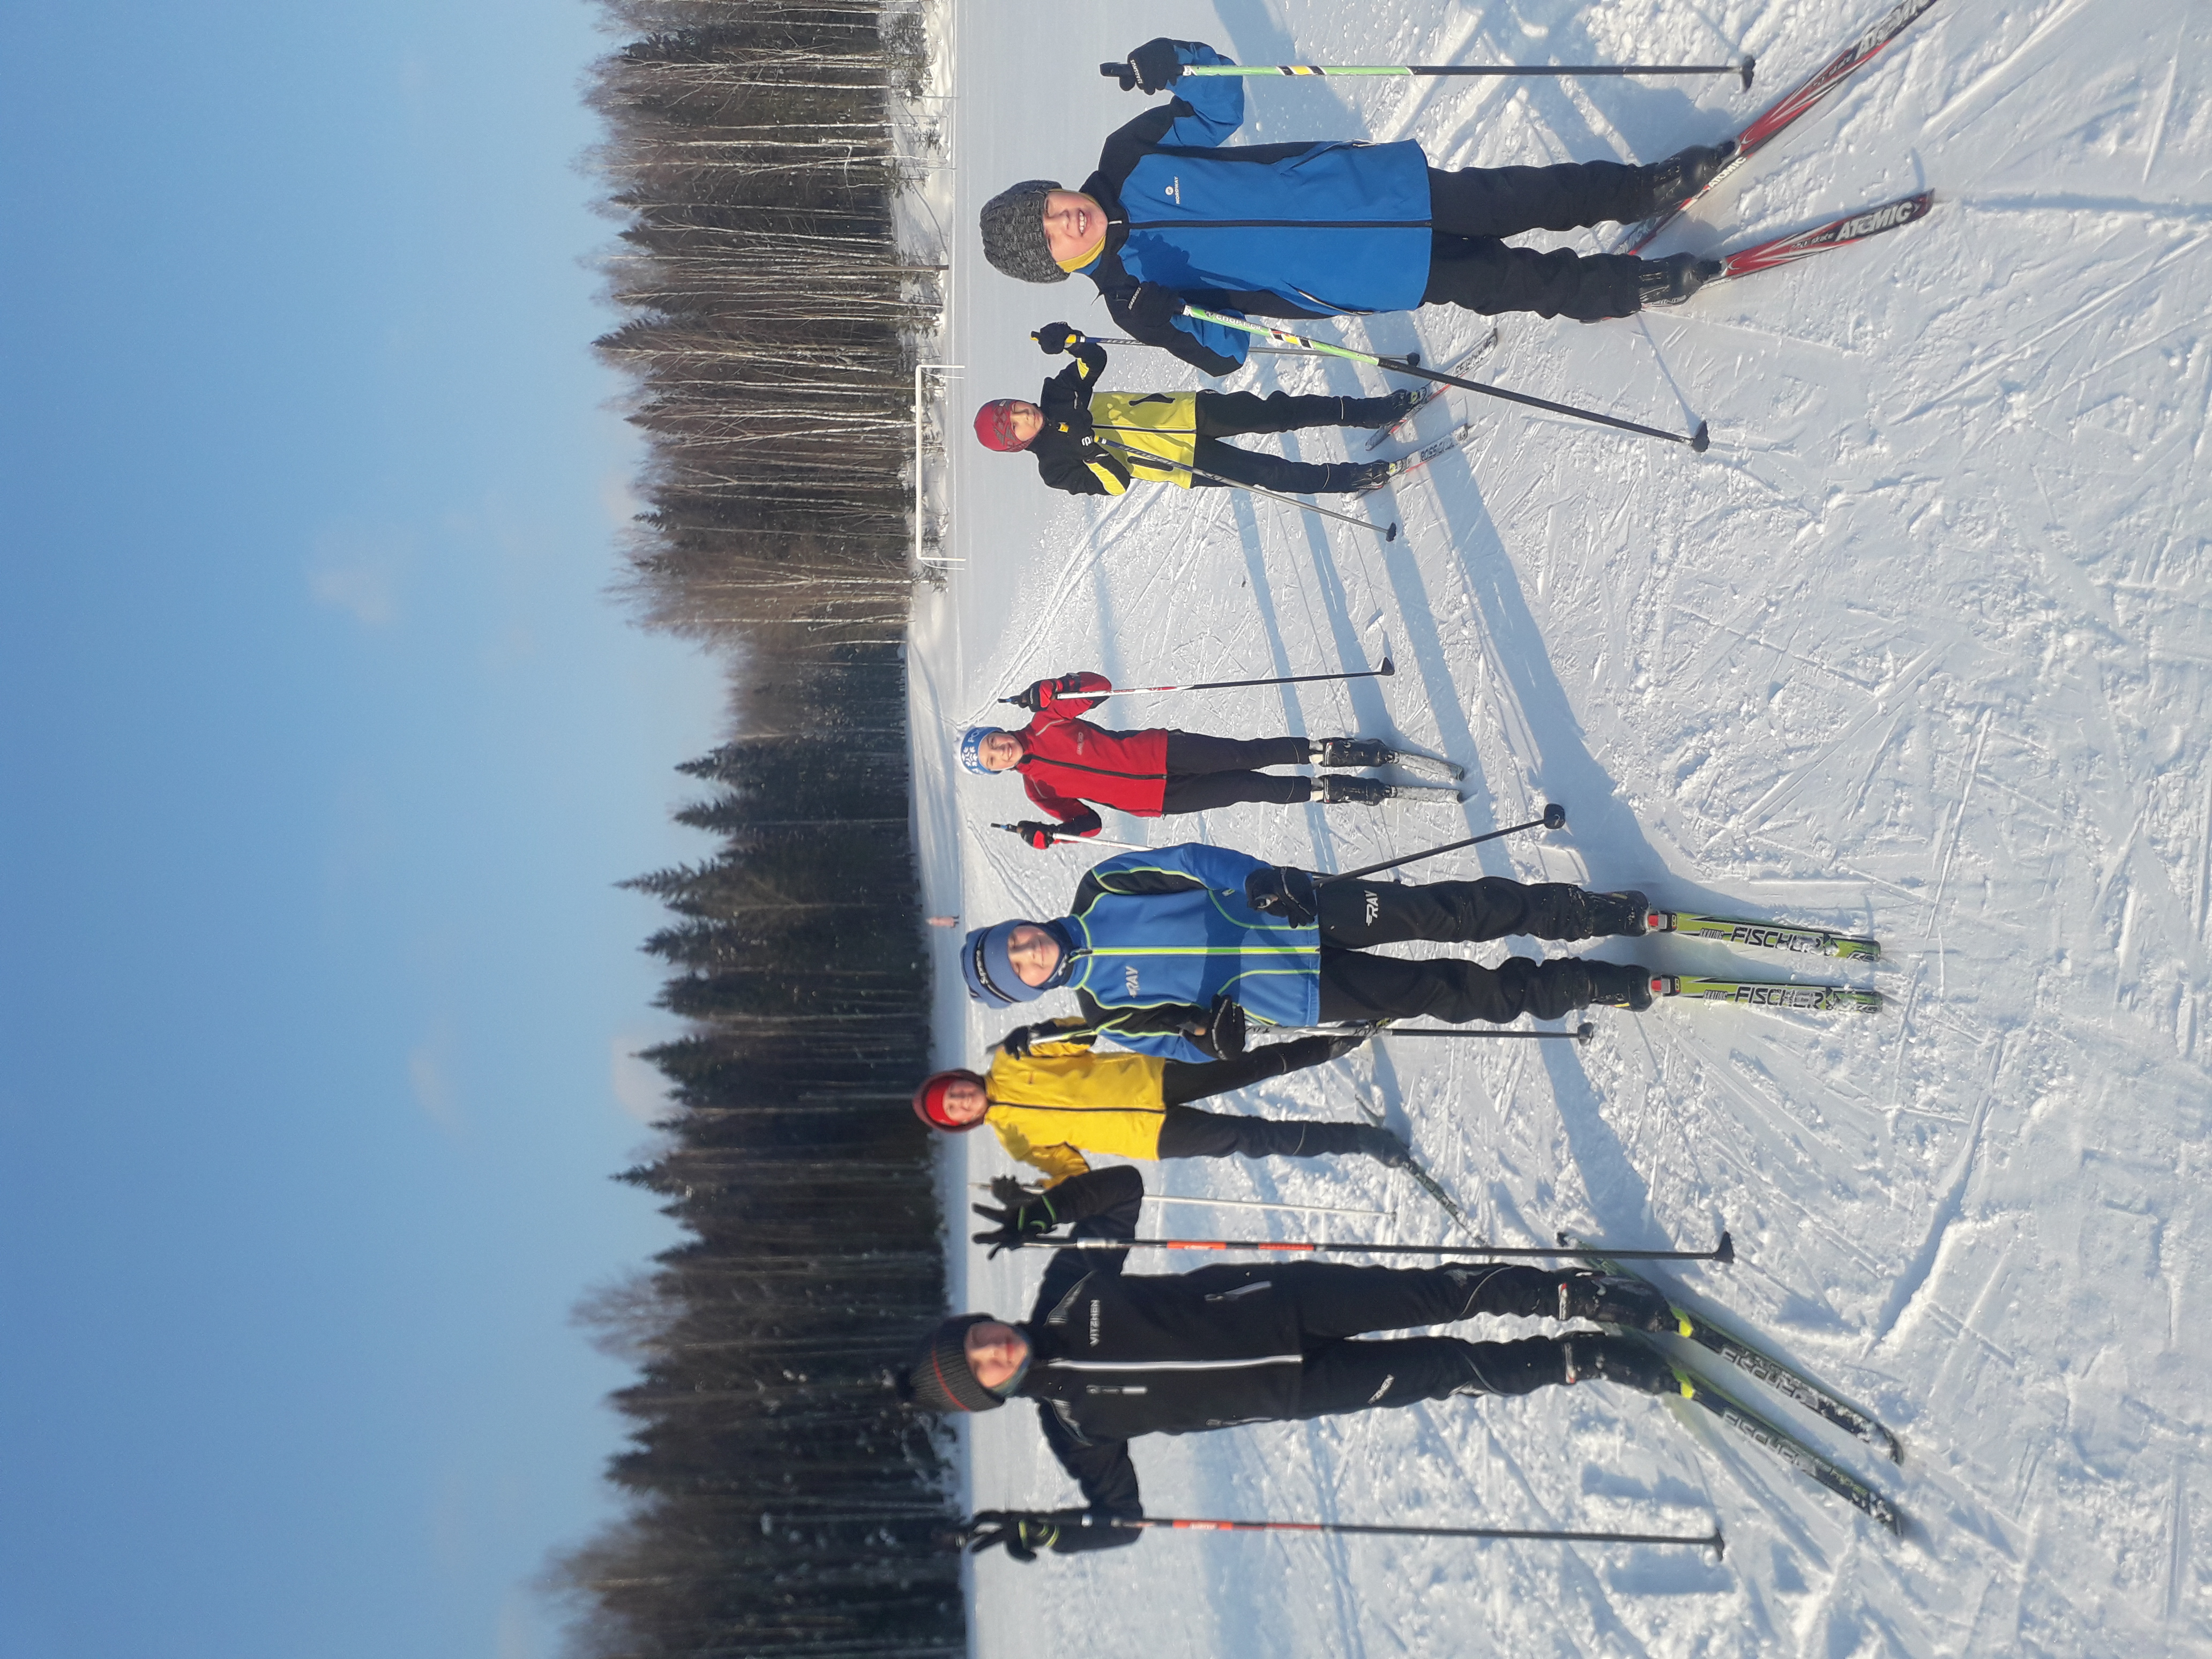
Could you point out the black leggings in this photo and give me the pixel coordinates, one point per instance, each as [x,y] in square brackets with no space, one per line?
[1471,209]
[1221,414]
[1334,1303]
[1206,772]
[1357,986]
[1188,1132]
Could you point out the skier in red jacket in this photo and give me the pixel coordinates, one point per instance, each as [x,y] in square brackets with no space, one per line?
[1066,763]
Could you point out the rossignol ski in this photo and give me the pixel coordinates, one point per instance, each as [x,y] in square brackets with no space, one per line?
[1428,452]
[1799,101]
[1767,994]
[1837,233]
[1766,935]
[1765,1366]
[1434,390]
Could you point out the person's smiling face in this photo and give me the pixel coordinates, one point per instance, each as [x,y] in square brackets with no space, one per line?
[995,1351]
[1073,225]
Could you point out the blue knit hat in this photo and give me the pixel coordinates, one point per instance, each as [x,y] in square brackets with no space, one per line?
[971,748]
[989,971]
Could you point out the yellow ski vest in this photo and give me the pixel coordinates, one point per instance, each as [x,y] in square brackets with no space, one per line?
[1064,1100]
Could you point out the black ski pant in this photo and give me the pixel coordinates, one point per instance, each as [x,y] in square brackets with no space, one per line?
[1189,1133]
[1233,414]
[1473,209]
[1204,772]
[1357,986]
[1336,1302]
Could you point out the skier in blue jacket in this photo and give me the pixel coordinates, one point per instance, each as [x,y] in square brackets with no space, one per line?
[1174,949]
[1316,230]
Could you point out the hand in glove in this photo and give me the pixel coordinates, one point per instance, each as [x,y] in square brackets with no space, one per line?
[1225,1027]
[1282,890]
[1009,1190]
[1037,835]
[1015,1045]
[1157,65]
[1023,1532]
[1055,337]
[1045,693]
[1017,1225]
[1351,1037]
[1153,307]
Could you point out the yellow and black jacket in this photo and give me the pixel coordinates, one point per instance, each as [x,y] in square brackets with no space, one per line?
[1063,1100]
[1095,443]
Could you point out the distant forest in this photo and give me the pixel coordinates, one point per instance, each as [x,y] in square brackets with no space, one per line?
[778,1499]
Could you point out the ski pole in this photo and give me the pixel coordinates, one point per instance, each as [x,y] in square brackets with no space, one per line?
[1555,817]
[1723,1252]
[1390,534]
[1124,340]
[1582,1033]
[1713,1541]
[1086,841]
[1385,671]
[1241,1203]
[1127,77]
[1697,440]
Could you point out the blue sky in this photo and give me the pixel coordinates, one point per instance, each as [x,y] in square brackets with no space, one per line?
[321,747]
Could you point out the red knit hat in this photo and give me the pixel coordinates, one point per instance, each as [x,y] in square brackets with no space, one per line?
[929,1100]
[994,426]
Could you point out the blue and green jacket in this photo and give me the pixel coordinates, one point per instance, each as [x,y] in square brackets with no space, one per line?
[1265,230]
[1156,936]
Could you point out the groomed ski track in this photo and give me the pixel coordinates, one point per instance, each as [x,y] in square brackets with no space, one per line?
[1920,649]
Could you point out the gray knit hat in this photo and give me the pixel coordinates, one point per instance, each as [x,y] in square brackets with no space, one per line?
[938,1379]
[1013,233]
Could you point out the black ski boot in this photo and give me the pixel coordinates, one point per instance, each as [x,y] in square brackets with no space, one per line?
[1619,985]
[1373,475]
[1618,1360]
[1624,915]
[1354,792]
[1670,281]
[1351,752]
[1611,1299]
[1384,1147]
[1373,414]
[1670,183]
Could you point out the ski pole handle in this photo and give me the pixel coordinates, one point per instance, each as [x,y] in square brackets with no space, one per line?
[1555,817]
[1120,72]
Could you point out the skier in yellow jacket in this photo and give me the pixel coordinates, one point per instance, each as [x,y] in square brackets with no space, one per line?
[1050,1098]
[1090,442]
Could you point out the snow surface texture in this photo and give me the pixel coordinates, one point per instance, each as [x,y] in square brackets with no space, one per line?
[1919,648]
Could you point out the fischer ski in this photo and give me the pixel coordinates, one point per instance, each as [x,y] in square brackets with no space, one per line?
[1764,1365]
[1767,994]
[1766,935]
[1837,233]
[1413,760]
[1754,1424]
[1433,390]
[1800,100]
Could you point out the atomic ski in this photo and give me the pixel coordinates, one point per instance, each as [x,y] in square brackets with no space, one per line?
[1837,233]
[1427,1182]
[1766,935]
[1766,993]
[1755,1425]
[1434,390]
[1784,110]
[1758,1363]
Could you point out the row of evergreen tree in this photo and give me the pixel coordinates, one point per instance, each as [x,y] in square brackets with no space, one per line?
[777,1499]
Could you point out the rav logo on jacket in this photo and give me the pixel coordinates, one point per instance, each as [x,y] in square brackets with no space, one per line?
[1129,979]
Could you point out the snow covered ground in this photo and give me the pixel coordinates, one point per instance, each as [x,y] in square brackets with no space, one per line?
[1921,647]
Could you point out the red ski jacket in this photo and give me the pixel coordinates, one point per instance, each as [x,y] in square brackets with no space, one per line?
[1067,760]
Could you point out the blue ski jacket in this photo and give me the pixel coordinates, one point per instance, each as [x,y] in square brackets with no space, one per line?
[1266,230]
[1159,934]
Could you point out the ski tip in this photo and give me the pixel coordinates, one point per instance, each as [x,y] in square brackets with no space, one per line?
[1555,815]
[1388,668]
[1702,439]
[1725,1251]
[1749,65]
[1585,1032]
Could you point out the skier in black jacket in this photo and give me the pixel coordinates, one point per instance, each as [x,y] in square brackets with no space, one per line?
[1109,1356]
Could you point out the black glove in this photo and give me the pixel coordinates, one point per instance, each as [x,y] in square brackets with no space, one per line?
[1037,835]
[1156,64]
[1015,1043]
[1353,1038]
[1041,695]
[1154,308]
[1225,1027]
[1023,1532]
[1282,890]
[1384,1147]
[1055,337]
[1007,1189]
[1017,1225]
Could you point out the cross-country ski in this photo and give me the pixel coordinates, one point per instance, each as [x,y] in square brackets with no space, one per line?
[1767,994]
[1765,935]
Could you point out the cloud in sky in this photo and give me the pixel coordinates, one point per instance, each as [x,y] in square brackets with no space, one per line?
[638,1088]
[357,571]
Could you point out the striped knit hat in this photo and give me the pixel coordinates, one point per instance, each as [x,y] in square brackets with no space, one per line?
[938,1379]
[1013,233]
